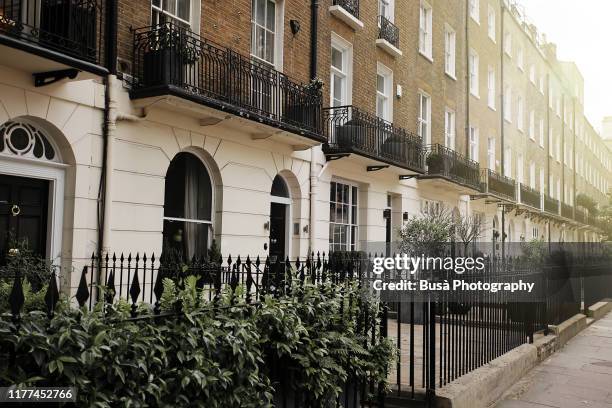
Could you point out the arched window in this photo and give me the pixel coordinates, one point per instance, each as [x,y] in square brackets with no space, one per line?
[187,207]
[279,187]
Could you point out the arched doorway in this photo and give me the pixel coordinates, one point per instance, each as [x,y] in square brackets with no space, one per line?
[188,203]
[31,189]
[280,207]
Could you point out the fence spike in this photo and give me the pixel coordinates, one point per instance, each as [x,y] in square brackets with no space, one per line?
[82,293]
[52,295]
[16,298]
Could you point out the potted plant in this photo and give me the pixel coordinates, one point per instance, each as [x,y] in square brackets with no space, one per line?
[170,49]
[304,109]
[435,163]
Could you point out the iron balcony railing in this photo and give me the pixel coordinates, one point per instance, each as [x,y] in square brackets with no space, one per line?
[529,196]
[447,163]
[580,215]
[388,31]
[351,130]
[168,58]
[499,185]
[70,27]
[567,211]
[551,205]
[352,6]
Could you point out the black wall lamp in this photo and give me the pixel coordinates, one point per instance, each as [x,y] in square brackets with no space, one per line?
[295,26]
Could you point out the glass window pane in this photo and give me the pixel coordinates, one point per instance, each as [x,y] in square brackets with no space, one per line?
[338,85]
[380,83]
[259,43]
[271,16]
[269,47]
[259,8]
[337,59]
[170,6]
[332,212]
[183,9]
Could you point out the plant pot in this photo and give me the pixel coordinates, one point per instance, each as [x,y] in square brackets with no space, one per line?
[435,164]
[163,67]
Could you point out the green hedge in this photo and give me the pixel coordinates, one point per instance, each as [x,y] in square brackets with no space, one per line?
[208,357]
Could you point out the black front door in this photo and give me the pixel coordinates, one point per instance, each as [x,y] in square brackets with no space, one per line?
[278,222]
[23,213]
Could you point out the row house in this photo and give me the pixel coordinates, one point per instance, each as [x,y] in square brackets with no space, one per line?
[281,127]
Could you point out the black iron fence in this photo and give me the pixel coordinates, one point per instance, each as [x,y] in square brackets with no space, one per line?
[351,130]
[444,162]
[388,31]
[551,205]
[567,211]
[170,58]
[352,6]
[580,215]
[499,185]
[440,336]
[529,196]
[71,27]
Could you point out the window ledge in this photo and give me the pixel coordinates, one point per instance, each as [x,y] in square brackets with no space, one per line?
[340,13]
[492,108]
[388,48]
[451,76]
[427,57]
[475,95]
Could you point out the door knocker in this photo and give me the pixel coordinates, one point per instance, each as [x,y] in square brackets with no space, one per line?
[15,210]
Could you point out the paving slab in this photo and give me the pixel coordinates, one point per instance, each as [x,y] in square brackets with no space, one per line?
[578,375]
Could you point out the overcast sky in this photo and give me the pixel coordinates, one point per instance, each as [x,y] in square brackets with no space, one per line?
[582,30]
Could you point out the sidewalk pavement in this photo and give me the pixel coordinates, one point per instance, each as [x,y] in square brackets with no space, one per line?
[577,376]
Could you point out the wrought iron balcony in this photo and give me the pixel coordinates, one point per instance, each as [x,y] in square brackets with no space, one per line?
[350,130]
[388,31]
[69,27]
[529,196]
[551,205]
[448,164]
[352,6]
[169,59]
[580,215]
[499,185]
[567,211]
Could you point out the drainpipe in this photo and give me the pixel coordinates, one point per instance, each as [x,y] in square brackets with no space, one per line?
[502,113]
[314,28]
[467,82]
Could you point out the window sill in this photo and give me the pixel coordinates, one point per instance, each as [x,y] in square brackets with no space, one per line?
[507,120]
[388,48]
[475,95]
[427,57]
[492,40]
[451,76]
[492,108]
[341,14]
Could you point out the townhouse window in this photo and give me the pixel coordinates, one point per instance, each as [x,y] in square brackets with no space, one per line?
[565,153]
[491,23]
[551,96]
[384,86]
[541,132]
[473,143]
[541,84]
[558,106]
[449,129]
[532,175]
[424,129]
[341,62]
[550,142]
[532,125]
[519,113]
[430,206]
[473,73]
[532,74]
[570,154]
[535,233]
[558,188]
[507,162]
[491,87]
[263,30]
[491,153]
[475,10]
[558,150]
[542,178]
[519,168]
[188,204]
[551,182]
[519,59]
[343,227]
[508,104]
[449,50]
[425,29]
[385,9]
[508,44]
[171,11]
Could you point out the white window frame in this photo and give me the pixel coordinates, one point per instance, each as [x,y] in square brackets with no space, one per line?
[520,58]
[474,143]
[508,162]
[449,128]
[159,10]
[277,54]
[508,104]
[542,180]
[520,169]
[491,87]
[389,6]
[387,74]
[346,48]
[532,125]
[474,63]
[542,132]
[474,6]
[424,120]
[425,30]
[508,44]
[520,119]
[532,74]
[532,175]
[450,47]
[551,143]
[491,23]
[353,228]
[491,153]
